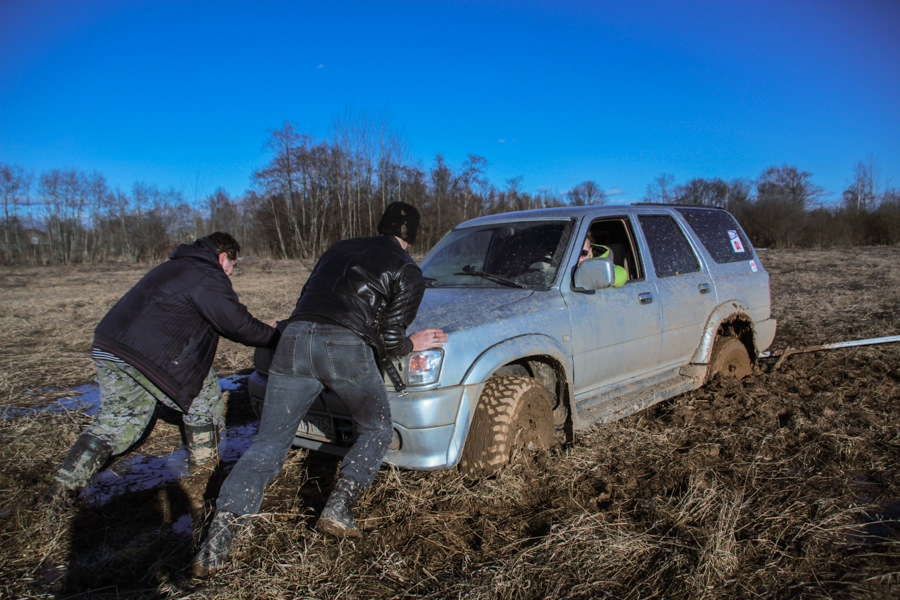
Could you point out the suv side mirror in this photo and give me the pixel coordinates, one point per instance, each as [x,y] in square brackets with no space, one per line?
[595,274]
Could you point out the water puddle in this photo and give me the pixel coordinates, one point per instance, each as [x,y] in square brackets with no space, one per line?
[85,398]
[137,472]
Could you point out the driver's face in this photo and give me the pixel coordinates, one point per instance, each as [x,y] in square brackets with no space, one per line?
[586,251]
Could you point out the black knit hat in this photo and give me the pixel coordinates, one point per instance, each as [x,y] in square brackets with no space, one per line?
[400,219]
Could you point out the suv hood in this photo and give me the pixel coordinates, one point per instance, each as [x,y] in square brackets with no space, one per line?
[448,308]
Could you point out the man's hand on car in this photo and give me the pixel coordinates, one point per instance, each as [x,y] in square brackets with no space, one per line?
[425,339]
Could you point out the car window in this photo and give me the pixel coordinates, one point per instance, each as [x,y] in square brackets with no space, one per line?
[517,254]
[616,235]
[719,233]
[669,249]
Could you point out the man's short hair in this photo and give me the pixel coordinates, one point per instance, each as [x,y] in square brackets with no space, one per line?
[224,242]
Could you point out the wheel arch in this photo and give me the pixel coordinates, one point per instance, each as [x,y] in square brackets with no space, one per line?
[541,356]
[528,351]
[729,319]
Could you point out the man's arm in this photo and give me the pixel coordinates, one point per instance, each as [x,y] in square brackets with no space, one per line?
[219,305]
[401,310]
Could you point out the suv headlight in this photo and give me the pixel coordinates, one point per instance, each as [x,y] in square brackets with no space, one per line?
[425,367]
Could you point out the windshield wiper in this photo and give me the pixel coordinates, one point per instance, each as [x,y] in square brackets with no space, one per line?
[493,277]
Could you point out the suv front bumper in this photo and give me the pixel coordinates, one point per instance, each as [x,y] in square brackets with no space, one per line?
[430,425]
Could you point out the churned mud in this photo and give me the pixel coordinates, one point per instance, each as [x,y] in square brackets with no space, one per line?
[786,485]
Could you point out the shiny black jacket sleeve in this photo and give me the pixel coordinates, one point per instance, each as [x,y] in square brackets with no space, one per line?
[369,285]
[407,291]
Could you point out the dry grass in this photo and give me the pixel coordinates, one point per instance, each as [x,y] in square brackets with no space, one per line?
[786,486]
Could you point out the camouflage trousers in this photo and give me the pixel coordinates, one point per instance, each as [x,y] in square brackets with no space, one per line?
[128,400]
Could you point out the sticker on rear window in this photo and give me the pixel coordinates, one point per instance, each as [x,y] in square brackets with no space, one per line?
[735,240]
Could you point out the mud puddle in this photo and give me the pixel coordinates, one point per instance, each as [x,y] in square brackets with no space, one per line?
[137,472]
[85,398]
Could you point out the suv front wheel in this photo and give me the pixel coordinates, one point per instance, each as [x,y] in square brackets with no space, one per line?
[513,417]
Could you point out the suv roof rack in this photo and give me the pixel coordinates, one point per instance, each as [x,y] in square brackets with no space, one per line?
[676,205]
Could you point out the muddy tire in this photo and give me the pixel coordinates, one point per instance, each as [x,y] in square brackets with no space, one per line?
[513,418]
[730,359]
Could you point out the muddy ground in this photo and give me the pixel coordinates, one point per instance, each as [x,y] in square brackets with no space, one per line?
[784,486]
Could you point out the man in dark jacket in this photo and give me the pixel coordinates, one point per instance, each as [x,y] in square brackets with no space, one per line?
[157,344]
[351,317]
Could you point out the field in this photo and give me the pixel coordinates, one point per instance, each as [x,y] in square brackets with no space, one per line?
[784,486]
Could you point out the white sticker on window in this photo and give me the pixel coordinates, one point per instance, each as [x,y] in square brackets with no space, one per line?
[735,240]
[753,266]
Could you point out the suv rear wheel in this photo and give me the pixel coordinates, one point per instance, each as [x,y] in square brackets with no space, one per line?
[513,417]
[730,359]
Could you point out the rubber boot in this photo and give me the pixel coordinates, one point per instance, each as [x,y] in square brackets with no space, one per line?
[217,546]
[86,457]
[336,518]
[203,443]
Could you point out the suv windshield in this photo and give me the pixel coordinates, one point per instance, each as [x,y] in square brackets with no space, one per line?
[522,254]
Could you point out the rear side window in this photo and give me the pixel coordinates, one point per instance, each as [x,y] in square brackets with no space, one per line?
[719,233]
[669,249]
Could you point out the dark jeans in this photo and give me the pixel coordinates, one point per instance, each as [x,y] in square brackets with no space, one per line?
[311,356]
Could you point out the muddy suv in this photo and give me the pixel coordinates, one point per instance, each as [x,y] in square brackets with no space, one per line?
[543,343]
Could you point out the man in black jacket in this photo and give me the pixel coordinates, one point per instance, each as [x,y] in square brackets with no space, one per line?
[351,317]
[157,344]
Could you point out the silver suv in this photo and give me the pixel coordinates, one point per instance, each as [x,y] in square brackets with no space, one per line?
[560,318]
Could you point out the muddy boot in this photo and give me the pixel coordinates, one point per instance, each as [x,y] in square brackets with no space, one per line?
[85,458]
[217,546]
[195,485]
[336,518]
[202,443]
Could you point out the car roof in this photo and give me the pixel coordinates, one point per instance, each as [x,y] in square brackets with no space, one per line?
[565,212]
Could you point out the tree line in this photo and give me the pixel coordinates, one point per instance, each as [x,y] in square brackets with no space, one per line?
[314,192]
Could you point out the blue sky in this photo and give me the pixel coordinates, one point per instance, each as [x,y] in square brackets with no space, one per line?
[184,93]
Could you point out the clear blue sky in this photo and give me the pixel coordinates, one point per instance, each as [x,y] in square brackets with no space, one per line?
[184,93]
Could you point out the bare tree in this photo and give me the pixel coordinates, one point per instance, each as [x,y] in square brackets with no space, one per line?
[60,194]
[353,139]
[514,199]
[862,194]
[14,187]
[703,192]
[276,180]
[888,217]
[393,152]
[470,177]
[548,198]
[222,212]
[100,203]
[659,192]
[782,197]
[586,193]
[441,188]
[788,184]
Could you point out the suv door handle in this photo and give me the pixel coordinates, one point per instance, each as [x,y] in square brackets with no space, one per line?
[645,298]
[704,288]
